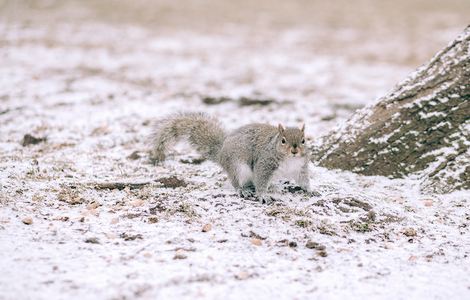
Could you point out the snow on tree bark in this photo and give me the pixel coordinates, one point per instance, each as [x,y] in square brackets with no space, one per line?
[420,129]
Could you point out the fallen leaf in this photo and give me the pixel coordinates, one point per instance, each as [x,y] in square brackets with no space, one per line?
[27,220]
[256,242]
[242,275]
[206,228]
[180,254]
[138,202]
[412,258]
[93,205]
[428,203]
[94,212]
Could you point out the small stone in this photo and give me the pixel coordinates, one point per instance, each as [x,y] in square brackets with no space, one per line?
[137,203]
[152,220]
[92,240]
[253,234]
[315,194]
[206,228]
[292,244]
[322,253]
[409,232]
[180,254]
[171,182]
[93,205]
[147,254]
[428,203]
[134,155]
[130,237]
[256,242]
[111,235]
[371,216]
[314,245]
[242,275]
[28,139]
[27,220]
[311,244]
[193,161]
[282,243]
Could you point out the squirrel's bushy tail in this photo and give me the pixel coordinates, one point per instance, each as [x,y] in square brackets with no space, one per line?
[202,131]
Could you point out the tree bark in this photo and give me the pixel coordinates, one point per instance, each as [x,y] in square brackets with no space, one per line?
[420,129]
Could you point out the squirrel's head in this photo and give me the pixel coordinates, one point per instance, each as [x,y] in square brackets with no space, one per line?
[292,140]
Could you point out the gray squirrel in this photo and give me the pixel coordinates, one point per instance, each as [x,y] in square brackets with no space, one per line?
[250,155]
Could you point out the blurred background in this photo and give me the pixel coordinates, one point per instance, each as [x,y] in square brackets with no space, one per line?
[409,32]
[334,56]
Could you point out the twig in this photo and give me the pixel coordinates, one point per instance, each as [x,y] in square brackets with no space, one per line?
[119,185]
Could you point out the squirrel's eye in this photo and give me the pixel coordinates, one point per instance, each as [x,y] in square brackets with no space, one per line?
[283,141]
[303,141]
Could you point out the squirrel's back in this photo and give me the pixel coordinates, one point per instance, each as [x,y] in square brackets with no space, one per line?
[256,135]
[249,142]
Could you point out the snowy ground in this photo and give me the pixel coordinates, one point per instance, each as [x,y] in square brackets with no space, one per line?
[92,87]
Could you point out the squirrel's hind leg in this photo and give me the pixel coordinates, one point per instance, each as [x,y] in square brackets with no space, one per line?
[241,177]
[157,155]
[244,177]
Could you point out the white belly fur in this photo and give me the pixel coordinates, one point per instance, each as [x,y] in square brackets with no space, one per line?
[290,168]
[244,174]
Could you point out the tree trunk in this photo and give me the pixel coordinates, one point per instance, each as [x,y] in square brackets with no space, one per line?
[420,129]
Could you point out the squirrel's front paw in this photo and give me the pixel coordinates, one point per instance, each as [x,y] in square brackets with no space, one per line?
[265,199]
[305,186]
[246,193]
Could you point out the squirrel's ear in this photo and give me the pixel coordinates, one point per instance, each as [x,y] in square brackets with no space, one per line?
[302,127]
[281,128]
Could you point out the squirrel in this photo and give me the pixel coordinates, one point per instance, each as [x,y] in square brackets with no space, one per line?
[250,155]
